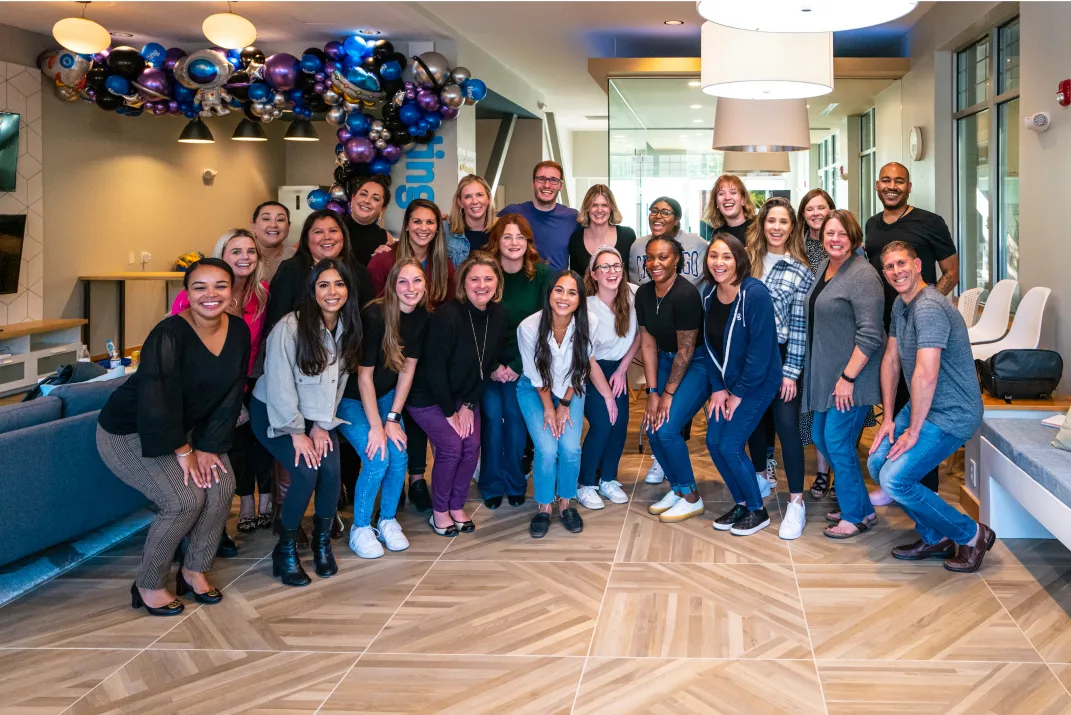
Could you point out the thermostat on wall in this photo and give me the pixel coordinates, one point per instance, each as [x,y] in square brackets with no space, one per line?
[914,143]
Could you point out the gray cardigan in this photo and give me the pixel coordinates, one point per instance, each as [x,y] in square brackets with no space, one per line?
[847,313]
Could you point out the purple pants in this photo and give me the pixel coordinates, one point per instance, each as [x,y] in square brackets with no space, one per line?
[455,458]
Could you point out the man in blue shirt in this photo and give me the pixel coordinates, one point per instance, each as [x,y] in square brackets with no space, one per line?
[552,223]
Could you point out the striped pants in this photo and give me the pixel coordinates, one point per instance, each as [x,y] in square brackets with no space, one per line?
[184,509]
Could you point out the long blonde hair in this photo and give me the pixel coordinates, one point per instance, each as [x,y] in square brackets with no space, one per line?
[756,236]
[713,215]
[583,217]
[256,277]
[392,344]
[457,216]
[620,306]
[438,260]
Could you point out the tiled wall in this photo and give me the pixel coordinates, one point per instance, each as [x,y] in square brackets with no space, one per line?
[20,92]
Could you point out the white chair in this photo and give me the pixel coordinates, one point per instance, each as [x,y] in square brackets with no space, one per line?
[994,321]
[1025,330]
[968,305]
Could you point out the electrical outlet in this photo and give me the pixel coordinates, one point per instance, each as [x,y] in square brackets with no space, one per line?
[974,474]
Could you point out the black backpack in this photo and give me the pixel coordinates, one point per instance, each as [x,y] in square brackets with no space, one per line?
[1021,374]
[65,375]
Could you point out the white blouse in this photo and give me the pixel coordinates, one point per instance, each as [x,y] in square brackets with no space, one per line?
[608,344]
[561,357]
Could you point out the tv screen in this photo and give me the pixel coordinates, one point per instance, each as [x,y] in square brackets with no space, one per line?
[9,149]
[12,231]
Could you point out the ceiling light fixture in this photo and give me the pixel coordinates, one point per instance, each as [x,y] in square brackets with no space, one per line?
[803,15]
[673,22]
[249,131]
[80,35]
[694,83]
[695,106]
[301,130]
[369,32]
[697,121]
[230,31]
[770,125]
[781,65]
[121,33]
[756,163]
[196,132]
[828,109]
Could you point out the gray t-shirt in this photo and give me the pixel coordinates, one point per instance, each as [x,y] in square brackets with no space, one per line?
[694,252]
[930,321]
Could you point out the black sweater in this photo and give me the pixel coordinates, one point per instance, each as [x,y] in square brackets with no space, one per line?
[284,295]
[450,372]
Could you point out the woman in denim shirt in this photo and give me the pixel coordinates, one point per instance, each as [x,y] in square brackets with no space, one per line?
[471,219]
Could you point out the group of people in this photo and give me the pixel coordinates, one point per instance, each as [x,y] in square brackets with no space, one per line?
[490,333]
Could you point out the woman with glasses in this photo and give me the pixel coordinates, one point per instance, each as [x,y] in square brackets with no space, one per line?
[471,219]
[664,219]
[600,225]
[525,282]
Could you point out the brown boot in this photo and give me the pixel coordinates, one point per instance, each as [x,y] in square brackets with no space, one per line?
[969,558]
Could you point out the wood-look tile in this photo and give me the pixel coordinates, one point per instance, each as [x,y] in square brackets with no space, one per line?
[502,535]
[424,544]
[872,547]
[710,486]
[496,608]
[36,682]
[929,688]
[1029,552]
[1039,599]
[646,539]
[458,685]
[907,612]
[648,686]
[341,613]
[89,607]
[216,682]
[701,611]
[1063,673]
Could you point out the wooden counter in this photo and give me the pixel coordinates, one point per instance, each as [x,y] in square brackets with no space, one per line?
[35,327]
[135,276]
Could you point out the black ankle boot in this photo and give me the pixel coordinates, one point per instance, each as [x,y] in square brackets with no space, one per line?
[285,562]
[321,546]
[227,549]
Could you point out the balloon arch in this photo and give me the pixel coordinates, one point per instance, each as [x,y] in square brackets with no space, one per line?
[356,85]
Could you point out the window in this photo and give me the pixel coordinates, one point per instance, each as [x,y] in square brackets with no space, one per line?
[827,166]
[868,171]
[987,158]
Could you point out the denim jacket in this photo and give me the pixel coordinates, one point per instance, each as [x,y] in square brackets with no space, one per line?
[457,247]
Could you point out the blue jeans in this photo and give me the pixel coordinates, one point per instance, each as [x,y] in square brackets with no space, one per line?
[388,471]
[901,477]
[668,445]
[604,442]
[557,460]
[726,440]
[503,438]
[836,436]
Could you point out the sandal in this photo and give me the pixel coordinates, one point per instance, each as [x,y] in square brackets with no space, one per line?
[248,524]
[264,520]
[822,485]
[860,528]
[834,518]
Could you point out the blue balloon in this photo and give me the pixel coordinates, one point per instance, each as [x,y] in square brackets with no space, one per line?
[202,70]
[390,71]
[357,47]
[317,199]
[185,106]
[358,123]
[183,93]
[296,96]
[310,64]
[475,89]
[423,126]
[191,114]
[409,114]
[154,53]
[117,85]
[363,79]
[339,148]
[349,62]
[379,165]
[434,119]
[259,91]
[417,131]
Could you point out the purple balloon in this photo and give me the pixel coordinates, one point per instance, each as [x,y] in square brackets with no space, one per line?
[154,81]
[427,100]
[337,207]
[360,150]
[391,152]
[344,135]
[159,109]
[449,112]
[332,66]
[410,86]
[102,56]
[319,76]
[281,71]
[173,55]
[319,88]
[90,93]
[172,107]
[410,95]
[333,49]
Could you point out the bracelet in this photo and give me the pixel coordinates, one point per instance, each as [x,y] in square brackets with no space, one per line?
[849,380]
[666,391]
[185,454]
[565,402]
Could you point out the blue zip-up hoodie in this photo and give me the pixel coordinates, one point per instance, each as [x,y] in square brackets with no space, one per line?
[752,364]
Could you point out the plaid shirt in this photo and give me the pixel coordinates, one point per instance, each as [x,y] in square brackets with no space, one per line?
[788,282]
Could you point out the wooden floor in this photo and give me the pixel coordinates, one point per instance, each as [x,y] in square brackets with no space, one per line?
[632,616]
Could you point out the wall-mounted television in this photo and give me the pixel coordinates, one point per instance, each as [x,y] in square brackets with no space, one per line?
[12,233]
[9,149]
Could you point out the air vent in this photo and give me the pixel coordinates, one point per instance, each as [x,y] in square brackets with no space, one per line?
[830,108]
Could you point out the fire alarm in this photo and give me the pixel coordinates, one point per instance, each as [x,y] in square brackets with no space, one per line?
[1063,95]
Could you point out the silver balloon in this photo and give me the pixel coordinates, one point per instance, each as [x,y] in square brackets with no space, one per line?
[351,107]
[385,135]
[408,146]
[279,99]
[67,94]
[374,134]
[277,113]
[336,116]
[332,98]
[267,118]
[376,125]
[399,98]
[437,69]
[381,144]
[259,109]
[469,101]
[338,194]
[460,75]
[452,96]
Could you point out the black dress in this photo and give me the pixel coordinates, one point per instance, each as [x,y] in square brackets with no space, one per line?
[579,258]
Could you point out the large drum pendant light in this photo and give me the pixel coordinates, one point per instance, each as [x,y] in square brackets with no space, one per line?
[756,163]
[803,15]
[742,64]
[80,35]
[772,125]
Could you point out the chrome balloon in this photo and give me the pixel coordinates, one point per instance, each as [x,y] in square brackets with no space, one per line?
[460,75]
[452,96]
[430,69]
[336,116]
[332,98]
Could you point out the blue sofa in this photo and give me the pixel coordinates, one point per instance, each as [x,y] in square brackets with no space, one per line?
[55,487]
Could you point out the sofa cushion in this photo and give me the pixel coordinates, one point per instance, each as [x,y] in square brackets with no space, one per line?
[1028,444]
[81,397]
[28,414]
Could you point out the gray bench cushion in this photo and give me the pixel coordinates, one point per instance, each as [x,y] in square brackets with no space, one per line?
[81,397]
[28,414]
[1028,444]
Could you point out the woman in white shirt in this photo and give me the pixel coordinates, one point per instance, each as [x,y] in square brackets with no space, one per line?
[616,342]
[557,357]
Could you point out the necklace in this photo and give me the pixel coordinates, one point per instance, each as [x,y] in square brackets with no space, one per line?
[907,207]
[479,352]
[658,301]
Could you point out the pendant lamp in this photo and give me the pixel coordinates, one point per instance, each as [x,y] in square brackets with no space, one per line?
[229,30]
[744,64]
[80,35]
[196,132]
[301,130]
[803,15]
[756,163]
[249,131]
[761,126]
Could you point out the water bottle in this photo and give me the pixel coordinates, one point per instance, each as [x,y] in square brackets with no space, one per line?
[113,354]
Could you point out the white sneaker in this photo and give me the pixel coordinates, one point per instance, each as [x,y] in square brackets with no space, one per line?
[476,474]
[612,490]
[390,533]
[880,497]
[764,484]
[794,521]
[664,504]
[589,498]
[682,511]
[364,543]
[655,475]
[771,471]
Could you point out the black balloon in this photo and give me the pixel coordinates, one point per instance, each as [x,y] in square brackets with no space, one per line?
[382,50]
[391,87]
[389,111]
[306,82]
[126,62]
[371,64]
[316,52]
[317,104]
[340,175]
[109,101]
[96,77]
[401,137]
[251,55]
[424,139]
[400,59]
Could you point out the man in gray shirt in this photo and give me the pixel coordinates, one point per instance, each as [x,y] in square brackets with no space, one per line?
[928,339]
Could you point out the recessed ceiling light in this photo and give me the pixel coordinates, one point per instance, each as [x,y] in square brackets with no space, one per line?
[694,83]
[120,33]
[697,121]
[369,32]
[695,106]
[673,22]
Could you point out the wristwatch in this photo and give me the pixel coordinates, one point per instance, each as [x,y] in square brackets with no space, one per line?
[394,417]
[470,405]
[850,380]
[564,402]
[652,390]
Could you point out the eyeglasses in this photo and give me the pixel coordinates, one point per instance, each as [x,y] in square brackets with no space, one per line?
[510,237]
[609,267]
[664,213]
[548,180]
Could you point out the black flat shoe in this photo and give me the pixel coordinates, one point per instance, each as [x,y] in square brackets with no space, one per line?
[448,531]
[540,525]
[517,501]
[172,609]
[725,521]
[465,527]
[753,521]
[571,520]
[210,597]
[419,496]
[493,502]
[227,548]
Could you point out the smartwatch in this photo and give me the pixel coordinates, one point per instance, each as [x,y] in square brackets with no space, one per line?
[394,417]
[652,390]
[470,405]
[849,380]
[565,402]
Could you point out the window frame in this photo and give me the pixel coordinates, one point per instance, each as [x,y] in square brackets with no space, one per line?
[867,207]
[827,151]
